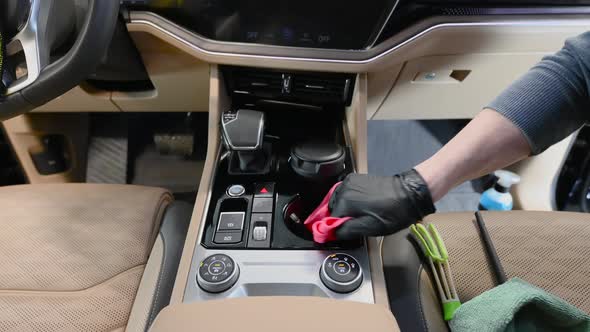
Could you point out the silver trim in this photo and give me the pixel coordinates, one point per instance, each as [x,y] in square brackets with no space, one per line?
[259,141]
[279,273]
[372,43]
[32,41]
[234,50]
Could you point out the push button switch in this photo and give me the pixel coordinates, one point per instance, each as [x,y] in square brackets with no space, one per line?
[260,230]
[266,189]
[227,238]
[259,233]
[231,221]
[262,205]
[236,190]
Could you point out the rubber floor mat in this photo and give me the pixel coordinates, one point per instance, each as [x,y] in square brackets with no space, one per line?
[107,151]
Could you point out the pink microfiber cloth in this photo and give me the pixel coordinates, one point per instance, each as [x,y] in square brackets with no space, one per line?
[321,224]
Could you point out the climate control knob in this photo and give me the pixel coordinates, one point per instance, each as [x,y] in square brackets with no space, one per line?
[341,273]
[217,273]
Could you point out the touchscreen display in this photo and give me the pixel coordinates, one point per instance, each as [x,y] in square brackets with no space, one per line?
[337,24]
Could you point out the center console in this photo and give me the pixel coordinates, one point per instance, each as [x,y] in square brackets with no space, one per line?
[279,159]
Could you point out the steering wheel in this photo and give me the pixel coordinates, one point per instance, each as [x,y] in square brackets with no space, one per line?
[46,79]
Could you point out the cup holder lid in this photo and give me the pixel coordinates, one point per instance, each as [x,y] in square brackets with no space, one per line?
[316,160]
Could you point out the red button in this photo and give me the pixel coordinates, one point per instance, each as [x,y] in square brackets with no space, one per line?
[264,189]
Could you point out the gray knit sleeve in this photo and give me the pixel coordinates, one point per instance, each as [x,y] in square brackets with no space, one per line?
[551,100]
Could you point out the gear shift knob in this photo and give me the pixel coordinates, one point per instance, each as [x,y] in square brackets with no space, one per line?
[243,134]
[243,130]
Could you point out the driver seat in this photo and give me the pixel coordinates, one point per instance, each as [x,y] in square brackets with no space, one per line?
[87,257]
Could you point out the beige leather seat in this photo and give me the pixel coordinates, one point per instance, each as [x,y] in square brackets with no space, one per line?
[548,249]
[81,257]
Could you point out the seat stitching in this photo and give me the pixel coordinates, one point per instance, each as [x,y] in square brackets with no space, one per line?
[75,292]
[164,201]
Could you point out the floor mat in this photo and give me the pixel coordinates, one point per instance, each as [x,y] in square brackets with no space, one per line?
[396,146]
[175,173]
[107,150]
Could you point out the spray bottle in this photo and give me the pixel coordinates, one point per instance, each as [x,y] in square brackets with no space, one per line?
[498,198]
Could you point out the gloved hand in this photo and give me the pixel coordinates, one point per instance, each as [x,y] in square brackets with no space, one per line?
[380,205]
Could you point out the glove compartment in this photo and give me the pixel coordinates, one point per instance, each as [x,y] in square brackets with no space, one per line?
[451,87]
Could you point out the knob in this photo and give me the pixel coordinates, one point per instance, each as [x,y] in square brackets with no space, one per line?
[341,273]
[217,273]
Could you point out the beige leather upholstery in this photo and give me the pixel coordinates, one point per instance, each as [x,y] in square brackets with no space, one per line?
[72,256]
[548,249]
[272,314]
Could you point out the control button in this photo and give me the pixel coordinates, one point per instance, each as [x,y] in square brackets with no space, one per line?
[264,189]
[231,221]
[261,218]
[341,273]
[342,268]
[217,273]
[260,230]
[306,38]
[262,205]
[228,238]
[324,38]
[269,36]
[236,190]
[259,233]
[288,34]
[216,267]
[252,36]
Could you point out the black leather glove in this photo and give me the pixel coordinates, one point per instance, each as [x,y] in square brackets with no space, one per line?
[380,205]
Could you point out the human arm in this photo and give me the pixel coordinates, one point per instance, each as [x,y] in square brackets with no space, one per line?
[489,142]
[542,107]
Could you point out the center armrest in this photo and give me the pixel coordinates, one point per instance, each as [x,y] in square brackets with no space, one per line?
[271,314]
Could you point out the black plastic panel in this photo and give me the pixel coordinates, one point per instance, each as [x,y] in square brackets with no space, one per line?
[287,128]
[336,24]
[345,22]
[409,12]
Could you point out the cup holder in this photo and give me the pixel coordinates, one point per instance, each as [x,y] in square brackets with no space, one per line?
[295,213]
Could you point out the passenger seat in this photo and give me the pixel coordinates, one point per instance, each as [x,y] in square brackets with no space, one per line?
[548,249]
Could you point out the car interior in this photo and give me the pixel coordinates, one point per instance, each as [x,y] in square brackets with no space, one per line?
[158,159]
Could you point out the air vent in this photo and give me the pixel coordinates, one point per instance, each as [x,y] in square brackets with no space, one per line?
[258,83]
[334,89]
[301,87]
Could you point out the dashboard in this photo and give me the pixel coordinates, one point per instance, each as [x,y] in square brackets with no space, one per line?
[331,24]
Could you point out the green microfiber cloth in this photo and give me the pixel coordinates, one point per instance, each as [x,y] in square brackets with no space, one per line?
[520,307]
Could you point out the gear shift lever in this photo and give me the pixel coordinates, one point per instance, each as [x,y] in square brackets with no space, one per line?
[243,134]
